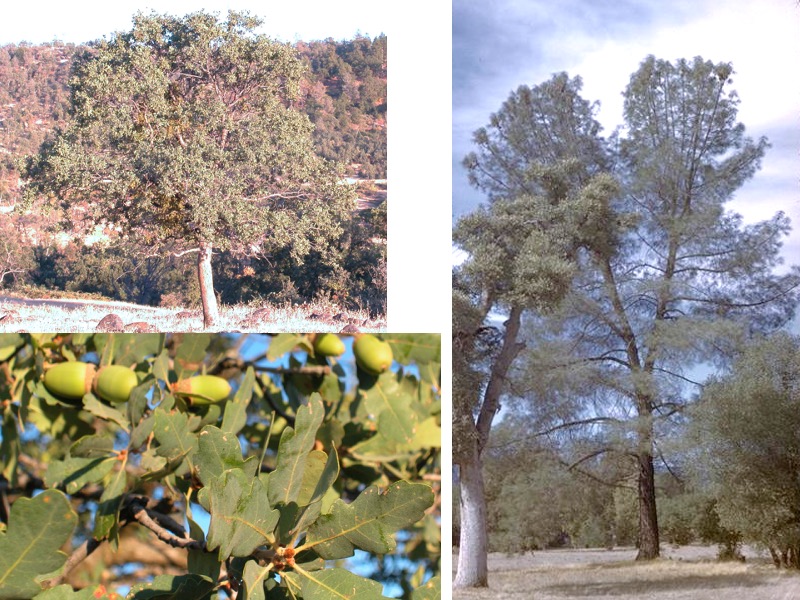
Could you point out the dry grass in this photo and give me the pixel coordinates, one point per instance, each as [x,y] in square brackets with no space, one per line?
[69,316]
[683,574]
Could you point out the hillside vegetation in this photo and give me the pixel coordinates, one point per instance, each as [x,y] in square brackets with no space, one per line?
[343,93]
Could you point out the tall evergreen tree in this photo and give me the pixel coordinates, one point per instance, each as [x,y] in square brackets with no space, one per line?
[685,281]
[536,161]
[184,129]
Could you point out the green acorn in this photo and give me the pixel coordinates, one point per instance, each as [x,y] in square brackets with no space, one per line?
[114,383]
[69,381]
[373,355]
[328,344]
[204,389]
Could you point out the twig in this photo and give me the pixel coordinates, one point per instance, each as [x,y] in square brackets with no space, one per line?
[142,516]
[306,370]
[79,554]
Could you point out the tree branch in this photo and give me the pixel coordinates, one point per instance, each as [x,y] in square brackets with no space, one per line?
[148,518]
[74,559]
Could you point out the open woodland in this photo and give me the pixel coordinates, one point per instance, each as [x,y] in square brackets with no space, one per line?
[336,89]
[626,369]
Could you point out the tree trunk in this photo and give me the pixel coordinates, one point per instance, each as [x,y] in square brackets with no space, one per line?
[206,278]
[648,518]
[472,564]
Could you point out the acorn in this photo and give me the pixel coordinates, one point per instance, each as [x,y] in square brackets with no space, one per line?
[114,383]
[70,381]
[204,389]
[328,344]
[372,354]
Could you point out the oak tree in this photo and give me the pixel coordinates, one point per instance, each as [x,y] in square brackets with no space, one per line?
[183,132]
[745,428]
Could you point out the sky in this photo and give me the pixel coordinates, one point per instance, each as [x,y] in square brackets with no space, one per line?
[500,45]
[287,21]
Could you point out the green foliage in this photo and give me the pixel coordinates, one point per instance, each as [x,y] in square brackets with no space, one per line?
[665,279]
[184,132]
[29,548]
[746,425]
[293,469]
[344,265]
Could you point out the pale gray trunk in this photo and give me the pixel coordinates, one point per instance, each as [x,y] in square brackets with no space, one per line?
[472,565]
[206,278]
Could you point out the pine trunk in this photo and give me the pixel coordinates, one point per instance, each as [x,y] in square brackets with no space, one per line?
[206,278]
[648,518]
[472,565]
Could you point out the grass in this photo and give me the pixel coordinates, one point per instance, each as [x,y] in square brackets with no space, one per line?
[584,575]
[83,315]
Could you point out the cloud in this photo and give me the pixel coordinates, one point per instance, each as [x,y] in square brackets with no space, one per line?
[499,45]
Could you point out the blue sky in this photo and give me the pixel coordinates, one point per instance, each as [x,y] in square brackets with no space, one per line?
[500,45]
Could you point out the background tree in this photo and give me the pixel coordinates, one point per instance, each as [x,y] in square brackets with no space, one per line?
[183,131]
[16,254]
[521,251]
[686,281]
[746,428]
[301,459]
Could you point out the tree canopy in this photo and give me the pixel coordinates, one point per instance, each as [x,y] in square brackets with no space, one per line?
[745,428]
[183,131]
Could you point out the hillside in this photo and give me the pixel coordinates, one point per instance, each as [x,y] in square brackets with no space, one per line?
[343,92]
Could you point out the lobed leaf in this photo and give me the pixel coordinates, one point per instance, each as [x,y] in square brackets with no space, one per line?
[253,581]
[420,348]
[241,516]
[105,412]
[388,402]
[37,529]
[106,520]
[332,584]
[235,417]
[190,352]
[218,452]
[370,521]
[286,480]
[173,432]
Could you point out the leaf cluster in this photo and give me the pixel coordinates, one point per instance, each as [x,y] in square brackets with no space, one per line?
[292,470]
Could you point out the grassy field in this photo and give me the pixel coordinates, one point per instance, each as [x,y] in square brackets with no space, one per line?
[689,573]
[69,316]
